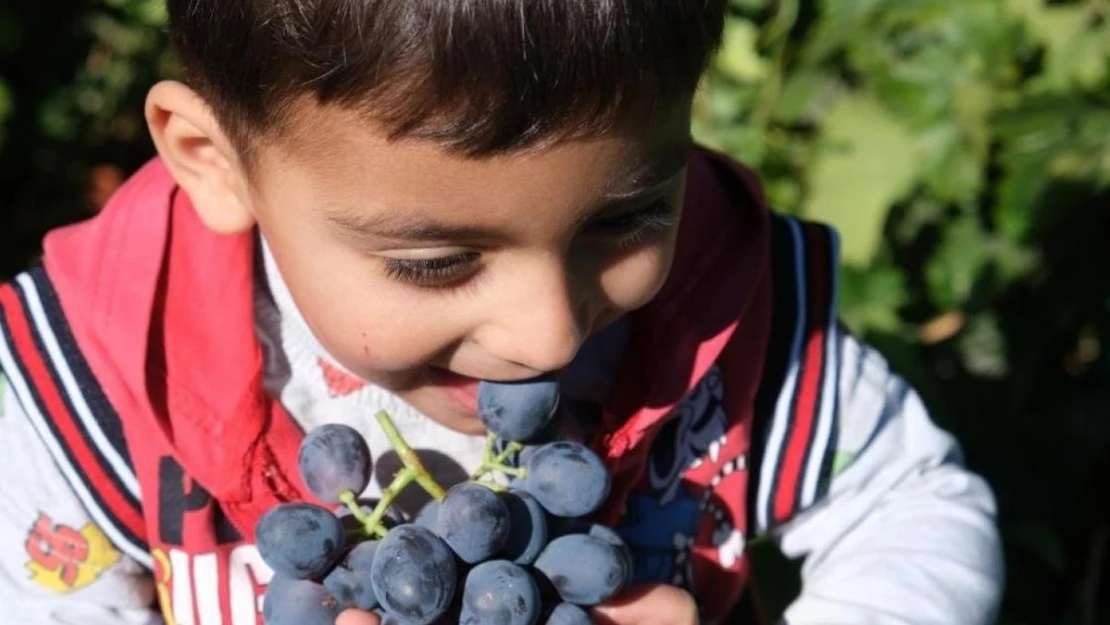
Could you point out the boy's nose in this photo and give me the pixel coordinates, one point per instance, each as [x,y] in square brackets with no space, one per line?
[542,326]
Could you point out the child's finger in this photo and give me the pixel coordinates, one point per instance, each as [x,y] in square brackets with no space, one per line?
[649,605]
[357,617]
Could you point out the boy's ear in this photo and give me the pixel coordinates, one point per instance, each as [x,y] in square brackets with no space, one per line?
[199,156]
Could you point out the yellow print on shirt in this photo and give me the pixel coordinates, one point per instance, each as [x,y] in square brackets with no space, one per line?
[64,559]
[163,576]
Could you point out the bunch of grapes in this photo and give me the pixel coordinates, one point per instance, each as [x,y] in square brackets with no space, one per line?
[479,553]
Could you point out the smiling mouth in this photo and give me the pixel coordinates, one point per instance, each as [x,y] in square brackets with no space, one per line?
[463,389]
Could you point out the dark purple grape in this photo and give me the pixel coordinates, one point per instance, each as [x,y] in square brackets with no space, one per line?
[522,457]
[298,602]
[414,574]
[351,582]
[584,570]
[567,479]
[474,521]
[568,614]
[428,515]
[527,528]
[334,459]
[561,526]
[611,536]
[549,433]
[299,540]
[392,619]
[517,411]
[499,592]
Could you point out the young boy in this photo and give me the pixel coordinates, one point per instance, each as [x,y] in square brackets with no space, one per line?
[373,204]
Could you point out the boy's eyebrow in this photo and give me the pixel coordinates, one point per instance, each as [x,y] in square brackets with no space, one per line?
[405,226]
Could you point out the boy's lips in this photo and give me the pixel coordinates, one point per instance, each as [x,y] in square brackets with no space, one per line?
[461,388]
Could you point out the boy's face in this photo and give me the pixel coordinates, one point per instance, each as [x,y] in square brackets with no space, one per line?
[424,271]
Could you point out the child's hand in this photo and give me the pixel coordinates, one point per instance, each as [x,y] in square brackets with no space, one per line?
[657,604]
[642,605]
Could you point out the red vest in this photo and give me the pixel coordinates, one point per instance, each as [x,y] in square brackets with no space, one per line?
[134,354]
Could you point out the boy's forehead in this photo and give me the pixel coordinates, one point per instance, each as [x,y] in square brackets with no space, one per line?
[329,143]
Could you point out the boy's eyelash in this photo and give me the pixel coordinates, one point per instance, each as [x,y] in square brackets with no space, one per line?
[432,272]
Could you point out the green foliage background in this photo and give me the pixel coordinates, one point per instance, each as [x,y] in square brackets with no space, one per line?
[962,147]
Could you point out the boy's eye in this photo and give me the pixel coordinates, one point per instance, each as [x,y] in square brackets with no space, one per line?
[626,229]
[629,229]
[440,272]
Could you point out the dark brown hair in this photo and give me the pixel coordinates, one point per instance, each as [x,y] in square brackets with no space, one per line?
[479,76]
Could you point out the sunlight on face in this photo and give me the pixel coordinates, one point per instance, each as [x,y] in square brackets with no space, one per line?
[423,271]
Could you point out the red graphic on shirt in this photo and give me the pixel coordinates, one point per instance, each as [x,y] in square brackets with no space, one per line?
[64,559]
[340,383]
[57,548]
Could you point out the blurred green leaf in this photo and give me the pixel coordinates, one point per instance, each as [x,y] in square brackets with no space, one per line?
[739,57]
[1038,145]
[867,161]
[149,12]
[750,5]
[870,299]
[1077,46]
[805,96]
[960,258]
[983,347]
[1019,194]
[953,169]
[784,194]
[5,101]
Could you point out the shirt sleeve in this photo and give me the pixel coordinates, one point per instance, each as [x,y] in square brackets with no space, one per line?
[57,567]
[904,533]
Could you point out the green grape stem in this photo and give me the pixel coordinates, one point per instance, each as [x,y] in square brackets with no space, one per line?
[487,455]
[351,501]
[492,463]
[400,482]
[510,450]
[369,525]
[410,459]
[414,471]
